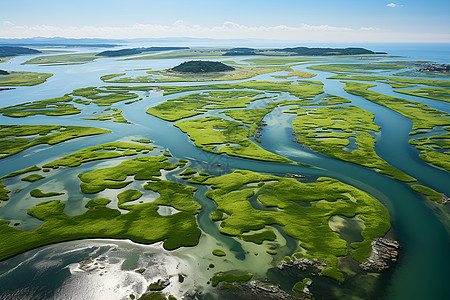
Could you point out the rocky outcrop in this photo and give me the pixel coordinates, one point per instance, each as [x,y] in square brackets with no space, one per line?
[383,251]
[90,265]
[301,263]
[433,67]
[302,144]
[290,175]
[257,133]
[256,289]
[306,290]
[444,199]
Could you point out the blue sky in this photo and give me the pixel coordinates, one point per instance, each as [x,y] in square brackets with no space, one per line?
[319,21]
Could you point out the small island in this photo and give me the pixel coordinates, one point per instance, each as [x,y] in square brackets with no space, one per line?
[199,66]
[133,51]
[300,51]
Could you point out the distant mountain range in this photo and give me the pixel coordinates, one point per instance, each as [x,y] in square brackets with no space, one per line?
[133,51]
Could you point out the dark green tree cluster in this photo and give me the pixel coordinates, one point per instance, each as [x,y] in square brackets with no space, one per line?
[199,66]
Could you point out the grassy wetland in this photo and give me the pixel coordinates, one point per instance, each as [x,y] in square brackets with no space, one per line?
[329,129]
[287,175]
[174,76]
[326,197]
[23,78]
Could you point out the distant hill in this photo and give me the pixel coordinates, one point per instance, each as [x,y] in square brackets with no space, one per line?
[241,51]
[301,51]
[132,51]
[199,66]
[3,72]
[326,51]
[13,51]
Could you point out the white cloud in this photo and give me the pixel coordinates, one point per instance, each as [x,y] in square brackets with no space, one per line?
[394,5]
[227,30]
[178,23]
[369,29]
[8,23]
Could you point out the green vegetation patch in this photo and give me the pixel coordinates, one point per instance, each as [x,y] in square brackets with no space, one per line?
[116,117]
[103,96]
[3,192]
[300,90]
[97,203]
[333,100]
[23,78]
[252,117]
[142,223]
[277,60]
[48,107]
[144,141]
[326,100]
[37,193]
[216,135]
[195,104]
[63,59]
[103,151]
[229,278]
[299,286]
[260,237]
[441,94]
[174,194]
[434,150]
[399,85]
[9,51]
[134,51]
[154,296]
[218,252]
[155,286]
[423,116]
[111,76]
[17,138]
[128,196]
[170,75]
[328,130]
[32,177]
[142,168]
[23,171]
[360,68]
[388,79]
[307,224]
[188,173]
[201,66]
[194,53]
[296,73]
[430,193]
